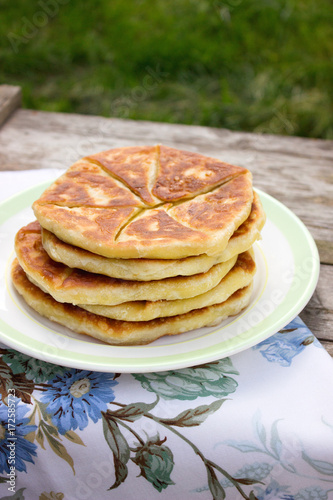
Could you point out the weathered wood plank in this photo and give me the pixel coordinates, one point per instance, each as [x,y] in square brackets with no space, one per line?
[10,100]
[296,171]
[113,130]
[95,131]
[318,313]
[325,249]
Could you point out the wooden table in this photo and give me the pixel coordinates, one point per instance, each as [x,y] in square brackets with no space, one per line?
[296,171]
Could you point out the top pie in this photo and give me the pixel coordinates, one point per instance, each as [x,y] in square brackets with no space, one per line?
[147,202]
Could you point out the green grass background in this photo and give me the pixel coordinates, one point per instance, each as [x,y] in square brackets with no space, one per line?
[253,65]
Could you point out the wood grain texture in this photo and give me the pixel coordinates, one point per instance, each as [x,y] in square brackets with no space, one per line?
[10,100]
[318,314]
[296,171]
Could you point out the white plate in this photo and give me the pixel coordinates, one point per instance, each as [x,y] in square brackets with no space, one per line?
[288,267]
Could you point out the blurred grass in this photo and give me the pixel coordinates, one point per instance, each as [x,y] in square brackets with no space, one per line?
[253,65]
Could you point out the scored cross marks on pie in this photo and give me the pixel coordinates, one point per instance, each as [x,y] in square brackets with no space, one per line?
[135,243]
[125,203]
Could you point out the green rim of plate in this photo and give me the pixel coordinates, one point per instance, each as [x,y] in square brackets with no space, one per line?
[303,249]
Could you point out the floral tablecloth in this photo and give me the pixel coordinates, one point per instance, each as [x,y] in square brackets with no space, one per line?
[257,425]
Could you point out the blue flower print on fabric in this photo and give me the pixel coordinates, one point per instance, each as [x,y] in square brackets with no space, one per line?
[76,396]
[282,347]
[274,492]
[20,448]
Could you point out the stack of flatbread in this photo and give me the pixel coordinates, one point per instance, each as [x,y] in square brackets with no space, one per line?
[139,242]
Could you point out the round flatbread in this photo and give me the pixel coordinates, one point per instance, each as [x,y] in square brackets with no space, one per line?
[81,287]
[150,202]
[239,276]
[156,269]
[124,332]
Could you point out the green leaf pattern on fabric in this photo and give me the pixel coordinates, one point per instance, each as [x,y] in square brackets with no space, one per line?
[62,402]
[212,379]
[34,369]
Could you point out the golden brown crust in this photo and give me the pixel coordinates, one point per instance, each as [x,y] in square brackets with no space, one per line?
[81,287]
[85,184]
[183,174]
[123,332]
[239,276]
[99,226]
[155,269]
[226,207]
[134,166]
[147,202]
